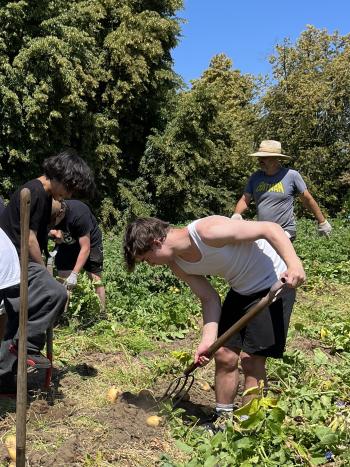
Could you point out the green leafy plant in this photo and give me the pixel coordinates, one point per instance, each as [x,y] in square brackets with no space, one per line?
[324,258]
[263,433]
[84,306]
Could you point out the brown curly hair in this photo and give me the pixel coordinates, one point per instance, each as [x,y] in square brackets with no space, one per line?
[139,236]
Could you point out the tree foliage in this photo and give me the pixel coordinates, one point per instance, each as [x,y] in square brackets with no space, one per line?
[308,109]
[197,162]
[97,75]
[93,74]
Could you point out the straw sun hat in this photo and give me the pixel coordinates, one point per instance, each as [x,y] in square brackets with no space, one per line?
[270,148]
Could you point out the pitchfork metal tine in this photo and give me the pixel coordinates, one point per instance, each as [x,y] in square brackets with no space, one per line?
[176,389]
[184,390]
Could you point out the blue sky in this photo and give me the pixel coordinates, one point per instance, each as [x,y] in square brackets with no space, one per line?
[248,30]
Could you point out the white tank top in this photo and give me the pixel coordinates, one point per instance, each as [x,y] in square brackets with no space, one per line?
[248,267]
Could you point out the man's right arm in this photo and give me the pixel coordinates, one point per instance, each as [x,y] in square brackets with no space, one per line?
[243,203]
[34,248]
[211,309]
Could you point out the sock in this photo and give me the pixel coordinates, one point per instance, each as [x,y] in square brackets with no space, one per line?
[223,408]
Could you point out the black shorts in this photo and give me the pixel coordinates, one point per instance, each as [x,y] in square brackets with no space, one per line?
[265,334]
[67,256]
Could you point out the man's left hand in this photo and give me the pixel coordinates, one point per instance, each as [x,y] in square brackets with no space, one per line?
[71,280]
[324,228]
[294,276]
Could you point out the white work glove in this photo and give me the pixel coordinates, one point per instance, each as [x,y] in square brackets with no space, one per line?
[237,216]
[324,228]
[71,280]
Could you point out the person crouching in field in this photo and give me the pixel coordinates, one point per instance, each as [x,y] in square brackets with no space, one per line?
[251,256]
[65,174]
[80,246]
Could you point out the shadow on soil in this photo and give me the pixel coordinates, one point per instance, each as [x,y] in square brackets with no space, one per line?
[38,391]
[149,403]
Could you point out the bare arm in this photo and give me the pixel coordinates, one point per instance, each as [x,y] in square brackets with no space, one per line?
[84,243]
[218,231]
[243,203]
[211,307]
[34,248]
[56,235]
[310,204]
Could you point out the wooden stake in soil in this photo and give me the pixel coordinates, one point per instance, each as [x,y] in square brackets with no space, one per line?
[49,332]
[21,403]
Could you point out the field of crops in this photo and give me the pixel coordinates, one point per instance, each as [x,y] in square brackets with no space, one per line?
[147,338]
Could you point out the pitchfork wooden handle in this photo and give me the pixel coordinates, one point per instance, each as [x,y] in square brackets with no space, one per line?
[241,323]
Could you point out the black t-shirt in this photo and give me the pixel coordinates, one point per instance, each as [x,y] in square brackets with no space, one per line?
[78,222]
[40,214]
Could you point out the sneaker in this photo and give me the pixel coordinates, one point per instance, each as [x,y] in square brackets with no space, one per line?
[38,361]
[217,422]
[35,361]
[8,384]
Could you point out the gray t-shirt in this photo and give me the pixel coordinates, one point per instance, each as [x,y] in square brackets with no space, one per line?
[274,196]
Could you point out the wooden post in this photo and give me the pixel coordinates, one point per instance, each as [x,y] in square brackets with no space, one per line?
[21,403]
[49,355]
[49,332]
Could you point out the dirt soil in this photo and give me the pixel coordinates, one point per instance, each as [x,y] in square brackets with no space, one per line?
[64,431]
[68,427]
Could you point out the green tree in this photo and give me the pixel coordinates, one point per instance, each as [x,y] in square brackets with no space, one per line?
[308,110]
[197,164]
[93,74]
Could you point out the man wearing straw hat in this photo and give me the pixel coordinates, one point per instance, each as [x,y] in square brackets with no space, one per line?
[274,187]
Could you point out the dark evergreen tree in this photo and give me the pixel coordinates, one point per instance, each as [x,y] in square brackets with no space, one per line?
[196,166]
[93,74]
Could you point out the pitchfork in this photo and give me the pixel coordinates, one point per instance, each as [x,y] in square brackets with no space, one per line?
[180,387]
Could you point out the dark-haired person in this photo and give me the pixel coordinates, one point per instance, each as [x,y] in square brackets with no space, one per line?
[80,246]
[251,256]
[64,174]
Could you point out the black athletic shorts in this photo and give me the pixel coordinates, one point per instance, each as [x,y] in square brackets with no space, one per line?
[67,256]
[265,334]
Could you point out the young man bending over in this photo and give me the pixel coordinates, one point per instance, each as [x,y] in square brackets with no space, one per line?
[251,256]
